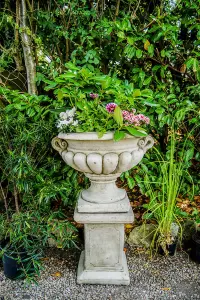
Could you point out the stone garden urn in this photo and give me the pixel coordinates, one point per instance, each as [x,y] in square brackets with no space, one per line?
[102,208]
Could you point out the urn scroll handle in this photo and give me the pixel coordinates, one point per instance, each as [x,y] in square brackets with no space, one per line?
[146,143]
[59,144]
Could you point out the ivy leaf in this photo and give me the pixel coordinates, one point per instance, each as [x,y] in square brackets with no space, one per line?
[135,132]
[119,135]
[118,115]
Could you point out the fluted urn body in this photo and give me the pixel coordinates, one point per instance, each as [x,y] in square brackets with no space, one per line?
[103,208]
[102,160]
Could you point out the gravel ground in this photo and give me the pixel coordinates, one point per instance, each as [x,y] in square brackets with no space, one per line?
[161,278]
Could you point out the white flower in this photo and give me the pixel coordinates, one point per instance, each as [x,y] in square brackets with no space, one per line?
[71,112]
[75,123]
[67,122]
[63,115]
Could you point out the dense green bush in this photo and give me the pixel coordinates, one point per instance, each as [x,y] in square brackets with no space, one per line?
[152,46]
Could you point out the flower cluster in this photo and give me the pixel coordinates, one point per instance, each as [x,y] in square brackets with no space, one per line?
[128,116]
[67,118]
[136,120]
[94,96]
[110,107]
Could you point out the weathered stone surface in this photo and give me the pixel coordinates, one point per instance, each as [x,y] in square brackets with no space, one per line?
[89,207]
[142,235]
[102,208]
[106,218]
[102,277]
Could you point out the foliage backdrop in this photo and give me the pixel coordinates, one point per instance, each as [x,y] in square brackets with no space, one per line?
[153,46]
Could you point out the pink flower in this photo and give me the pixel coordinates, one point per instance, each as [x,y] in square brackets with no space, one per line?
[147,120]
[137,120]
[125,114]
[110,107]
[94,96]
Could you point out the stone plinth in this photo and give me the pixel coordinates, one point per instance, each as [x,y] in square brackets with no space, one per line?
[103,261]
[102,208]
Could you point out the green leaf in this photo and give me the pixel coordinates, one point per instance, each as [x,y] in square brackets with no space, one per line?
[195,65]
[135,132]
[131,182]
[138,53]
[147,80]
[120,34]
[119,135]
[60,95]
[100,134]
[130,40]
[189,154]
[136,93]
[148,103]
[162,53]
[151,50]
[80,105]
[71,66]
[118,115]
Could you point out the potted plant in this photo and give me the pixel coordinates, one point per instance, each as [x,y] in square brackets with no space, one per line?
[163,194]
[21,245]
[102,139]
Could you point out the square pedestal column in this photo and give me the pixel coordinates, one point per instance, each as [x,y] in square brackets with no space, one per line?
[103,261]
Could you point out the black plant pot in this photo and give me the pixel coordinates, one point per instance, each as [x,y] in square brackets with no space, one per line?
[12,264]
[195,251]
[171,248]
[14,261]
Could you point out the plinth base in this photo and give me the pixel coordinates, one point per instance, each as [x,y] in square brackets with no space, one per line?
[102,277]
[114,207]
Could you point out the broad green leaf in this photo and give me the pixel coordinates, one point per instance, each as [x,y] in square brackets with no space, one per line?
[119,135]
[80,105]
[151,50]
[71,66]
[135,132]
[117,115]
[136,93]
[189,154]
[130,40]
[120,34]
[60,95]
[162,53]
[138,53]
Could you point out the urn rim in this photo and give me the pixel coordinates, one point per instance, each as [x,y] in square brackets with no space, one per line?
[91,136]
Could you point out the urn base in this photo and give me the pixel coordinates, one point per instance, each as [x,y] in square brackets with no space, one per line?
[121,206]
[85,276]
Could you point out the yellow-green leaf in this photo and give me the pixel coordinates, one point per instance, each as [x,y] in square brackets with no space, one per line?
[136,93]
[118,115]
[60,95]
[146,45]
